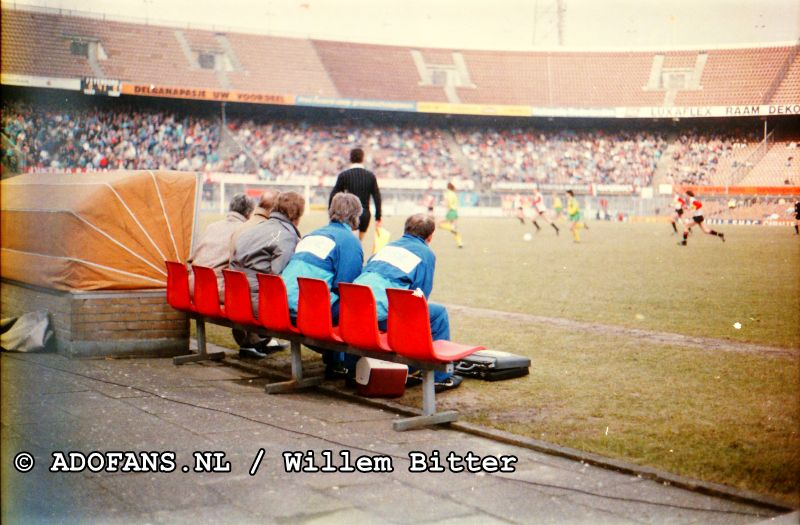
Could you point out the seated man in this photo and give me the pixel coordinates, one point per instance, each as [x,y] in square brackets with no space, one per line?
[332,253]
[409,263]
[213,248]
[266,247]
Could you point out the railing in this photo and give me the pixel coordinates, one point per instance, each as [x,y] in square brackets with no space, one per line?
[746,166]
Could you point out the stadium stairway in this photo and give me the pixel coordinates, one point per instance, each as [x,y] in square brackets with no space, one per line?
[458,155]
[664,166]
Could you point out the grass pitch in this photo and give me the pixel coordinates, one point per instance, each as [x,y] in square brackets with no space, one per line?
[724,416]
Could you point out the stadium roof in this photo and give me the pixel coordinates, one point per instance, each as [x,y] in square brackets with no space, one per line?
[476,24]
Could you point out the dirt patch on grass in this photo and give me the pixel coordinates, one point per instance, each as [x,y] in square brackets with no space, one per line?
[666,338]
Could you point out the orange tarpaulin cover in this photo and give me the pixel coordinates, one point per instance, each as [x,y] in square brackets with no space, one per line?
[104,231]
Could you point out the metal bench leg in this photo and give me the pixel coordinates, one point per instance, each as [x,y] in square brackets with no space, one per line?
[202,354]
[297,381]
[429,415]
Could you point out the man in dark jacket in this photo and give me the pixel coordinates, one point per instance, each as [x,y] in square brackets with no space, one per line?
[362,183]
[266,247]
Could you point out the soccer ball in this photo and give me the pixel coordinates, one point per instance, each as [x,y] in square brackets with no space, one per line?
[527,237]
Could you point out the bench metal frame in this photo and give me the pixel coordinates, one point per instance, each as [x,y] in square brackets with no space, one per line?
[298,382]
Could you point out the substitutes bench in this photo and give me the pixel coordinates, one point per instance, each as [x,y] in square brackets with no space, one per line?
[407,339]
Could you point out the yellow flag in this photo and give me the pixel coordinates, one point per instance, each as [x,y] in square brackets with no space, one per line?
[382,236]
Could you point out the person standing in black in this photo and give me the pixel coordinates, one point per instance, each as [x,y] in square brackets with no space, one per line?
[363,184]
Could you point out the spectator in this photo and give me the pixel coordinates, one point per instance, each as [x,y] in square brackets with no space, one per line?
[361,183]
[214,247]
[266,247]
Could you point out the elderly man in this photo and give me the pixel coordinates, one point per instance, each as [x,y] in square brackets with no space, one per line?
[408,263]
[213,248]
[266,247]
[332,253]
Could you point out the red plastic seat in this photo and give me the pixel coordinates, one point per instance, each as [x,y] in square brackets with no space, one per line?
[314,310]
[178,287]
[358,318]
[206,294]
[273,306]
[238,306]
[409,329]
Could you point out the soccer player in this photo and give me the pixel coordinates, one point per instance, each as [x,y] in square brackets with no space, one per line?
[575,216]
[679,203]
[451,219]
[540,211]
[558,206]
[697,219]
[517,206]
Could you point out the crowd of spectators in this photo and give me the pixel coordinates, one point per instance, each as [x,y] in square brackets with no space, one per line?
[94,139]
[563,156]
[285,148]
[119,137]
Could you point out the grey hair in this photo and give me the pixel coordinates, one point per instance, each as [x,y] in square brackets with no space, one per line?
[422,225]
[345,208]
[241,203]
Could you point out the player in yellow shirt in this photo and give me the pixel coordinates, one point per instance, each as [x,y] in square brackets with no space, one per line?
[451,219]
[575,216]
[558,206]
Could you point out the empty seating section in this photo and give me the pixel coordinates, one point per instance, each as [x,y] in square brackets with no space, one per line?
[737,76]
[780,166]
[278,65]
[409,335]
[38,43]
[375,72]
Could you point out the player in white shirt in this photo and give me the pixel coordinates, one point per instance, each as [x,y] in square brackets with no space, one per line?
[540,211]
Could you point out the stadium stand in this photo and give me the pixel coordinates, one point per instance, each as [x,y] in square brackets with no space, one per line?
[49,44]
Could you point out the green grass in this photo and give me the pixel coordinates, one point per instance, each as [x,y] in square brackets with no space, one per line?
[725,417]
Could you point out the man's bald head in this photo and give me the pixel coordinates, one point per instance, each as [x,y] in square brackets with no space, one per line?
[268,199]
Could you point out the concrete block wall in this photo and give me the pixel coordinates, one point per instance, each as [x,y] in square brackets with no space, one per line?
[108,323]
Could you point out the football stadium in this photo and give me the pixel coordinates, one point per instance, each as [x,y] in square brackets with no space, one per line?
[266,273]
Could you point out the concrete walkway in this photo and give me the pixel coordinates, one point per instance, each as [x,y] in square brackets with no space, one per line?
[52,404]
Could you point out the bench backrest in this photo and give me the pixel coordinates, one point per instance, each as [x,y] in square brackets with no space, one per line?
[238,307]
[409,326]
[206,294]
[358,319]
[314,310]
[178,286]
[273,306]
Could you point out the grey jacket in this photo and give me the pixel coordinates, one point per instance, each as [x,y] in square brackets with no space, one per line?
[265,247]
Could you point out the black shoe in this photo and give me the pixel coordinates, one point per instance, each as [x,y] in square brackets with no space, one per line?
[722,236]
[413,379]
[448,384]
[336,371]
[682,243]
[251,353]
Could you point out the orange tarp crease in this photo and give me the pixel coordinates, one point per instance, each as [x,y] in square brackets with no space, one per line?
[109,231]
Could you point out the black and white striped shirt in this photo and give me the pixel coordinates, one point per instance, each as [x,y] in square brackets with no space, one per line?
[361,183]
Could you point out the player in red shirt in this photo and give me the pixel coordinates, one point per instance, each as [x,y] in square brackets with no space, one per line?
[680,205]
[697,219]
[540,211]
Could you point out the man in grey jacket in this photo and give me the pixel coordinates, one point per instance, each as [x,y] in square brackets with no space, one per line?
[266,247]
[213,247]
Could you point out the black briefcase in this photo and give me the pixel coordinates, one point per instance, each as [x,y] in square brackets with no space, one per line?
[493,365]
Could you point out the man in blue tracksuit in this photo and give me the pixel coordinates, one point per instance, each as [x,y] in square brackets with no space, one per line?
[332,253]
[409,263]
